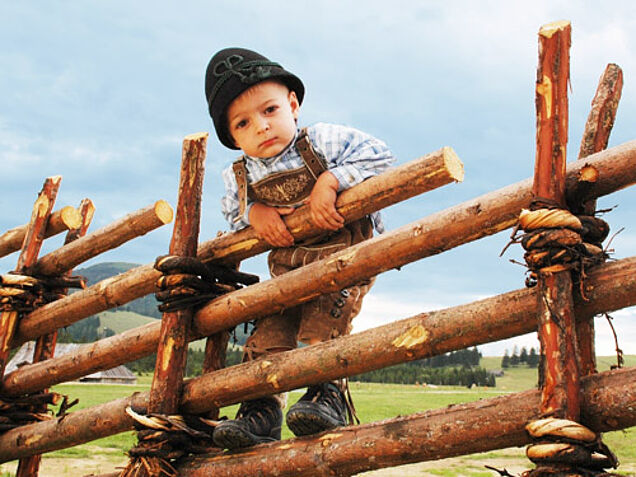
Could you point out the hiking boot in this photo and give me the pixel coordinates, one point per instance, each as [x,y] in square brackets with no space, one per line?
[256,422]
[321,408]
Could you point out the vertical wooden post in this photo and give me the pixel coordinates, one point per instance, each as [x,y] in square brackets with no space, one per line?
[45,345]
[30,249]
[175,327]
[561,382]
[215,352]
[595,138]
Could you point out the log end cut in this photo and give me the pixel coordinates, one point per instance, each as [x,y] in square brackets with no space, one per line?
[588,174]
[164,211]
[454,166]
[550,29]
[196,136]
[70,217]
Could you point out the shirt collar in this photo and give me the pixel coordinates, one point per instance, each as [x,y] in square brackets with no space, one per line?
[274,159]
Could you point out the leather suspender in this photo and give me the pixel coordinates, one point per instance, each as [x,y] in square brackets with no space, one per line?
[314,163]
[240,172]
[312,160]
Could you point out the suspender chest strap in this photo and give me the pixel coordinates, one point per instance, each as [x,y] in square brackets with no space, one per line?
[313,163]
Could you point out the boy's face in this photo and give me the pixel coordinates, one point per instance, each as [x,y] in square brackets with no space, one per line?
[262,120]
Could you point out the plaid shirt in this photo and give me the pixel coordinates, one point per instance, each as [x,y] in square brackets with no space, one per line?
[351,155]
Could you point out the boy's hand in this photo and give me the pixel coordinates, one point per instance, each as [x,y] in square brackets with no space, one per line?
[269,226]
[322,202]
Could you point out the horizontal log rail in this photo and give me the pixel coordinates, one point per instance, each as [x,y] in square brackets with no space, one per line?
[611,286]
[434,234]
[131,226]
[609,400]
[416,177]
[63,219]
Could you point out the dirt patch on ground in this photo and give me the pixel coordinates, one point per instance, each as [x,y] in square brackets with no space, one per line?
[72,467]
[511,460]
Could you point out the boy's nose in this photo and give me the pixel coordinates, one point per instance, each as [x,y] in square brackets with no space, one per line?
[263,124]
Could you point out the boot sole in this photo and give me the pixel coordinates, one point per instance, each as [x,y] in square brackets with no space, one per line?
[233,437]
[306,420]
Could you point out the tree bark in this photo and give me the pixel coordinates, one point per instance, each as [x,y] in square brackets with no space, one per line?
[175,326]
[559,376]
[59,221]
[463,223]
[429,334]
[595,138]
[30,248]
[480,426]
[45,345]
[397,184]
[127,228]
[553,77]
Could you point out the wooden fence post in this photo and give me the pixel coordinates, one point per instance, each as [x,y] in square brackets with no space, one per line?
[595,138]
[45,345]
[172,350]
[560,374]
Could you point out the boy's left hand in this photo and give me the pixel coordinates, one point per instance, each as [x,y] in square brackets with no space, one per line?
[322,202]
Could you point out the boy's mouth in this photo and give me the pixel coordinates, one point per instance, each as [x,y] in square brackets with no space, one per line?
[268,142]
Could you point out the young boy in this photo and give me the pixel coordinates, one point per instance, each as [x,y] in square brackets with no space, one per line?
[254,104]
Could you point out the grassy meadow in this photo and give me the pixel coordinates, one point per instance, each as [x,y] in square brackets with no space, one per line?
[373,402]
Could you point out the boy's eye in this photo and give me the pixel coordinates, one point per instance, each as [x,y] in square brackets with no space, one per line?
[240,124]
[270,109]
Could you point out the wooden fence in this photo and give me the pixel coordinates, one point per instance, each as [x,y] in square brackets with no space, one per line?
[571,387]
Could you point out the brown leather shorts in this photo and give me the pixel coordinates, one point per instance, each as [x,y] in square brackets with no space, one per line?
[324,318]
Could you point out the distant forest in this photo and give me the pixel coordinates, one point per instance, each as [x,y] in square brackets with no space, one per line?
[458,368]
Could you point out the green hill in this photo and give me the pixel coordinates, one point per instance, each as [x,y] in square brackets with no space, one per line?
[146,305]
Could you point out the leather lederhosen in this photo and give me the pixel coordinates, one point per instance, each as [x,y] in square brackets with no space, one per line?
[327,316]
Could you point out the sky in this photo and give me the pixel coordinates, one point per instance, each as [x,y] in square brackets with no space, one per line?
[103,93]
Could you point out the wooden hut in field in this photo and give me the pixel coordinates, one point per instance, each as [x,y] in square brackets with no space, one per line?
[117,375]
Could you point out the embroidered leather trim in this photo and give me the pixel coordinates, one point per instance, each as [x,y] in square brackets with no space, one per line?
[283,188]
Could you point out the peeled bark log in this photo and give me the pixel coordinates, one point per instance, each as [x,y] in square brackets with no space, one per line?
[172,350]
[595,138]
[610,286]
[559,375]
[418,176]
[30,248]
[59,221]
[608,403]
[463,223]
[127,228]
[479,426]
[45,345]
[397,184]
[553,76]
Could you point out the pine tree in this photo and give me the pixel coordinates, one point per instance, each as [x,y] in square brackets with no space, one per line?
[533,358]
[505,361]
[514,359]
[523,357]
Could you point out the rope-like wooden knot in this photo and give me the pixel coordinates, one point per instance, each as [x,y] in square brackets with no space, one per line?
[561,445]
[22,410]
[163,438]
[557,240]
[23,293]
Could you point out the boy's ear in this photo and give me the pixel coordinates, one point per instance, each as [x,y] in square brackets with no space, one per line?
[294,103]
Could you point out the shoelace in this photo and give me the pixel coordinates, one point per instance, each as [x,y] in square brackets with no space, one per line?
[256,412]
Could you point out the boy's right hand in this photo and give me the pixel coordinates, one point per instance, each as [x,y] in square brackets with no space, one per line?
[269,225]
